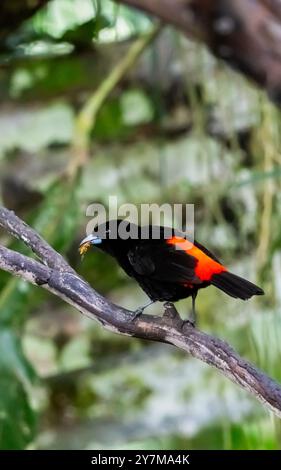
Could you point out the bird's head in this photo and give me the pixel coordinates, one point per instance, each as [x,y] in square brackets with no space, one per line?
[111,236]
[119,236]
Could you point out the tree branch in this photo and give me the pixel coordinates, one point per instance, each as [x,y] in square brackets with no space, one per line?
[56,276]
[244,33]
[20,230]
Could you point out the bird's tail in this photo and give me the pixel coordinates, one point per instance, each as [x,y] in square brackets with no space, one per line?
[235,286]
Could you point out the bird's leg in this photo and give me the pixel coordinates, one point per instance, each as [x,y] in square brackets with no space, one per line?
[191,321]
[192,318]
[139,311]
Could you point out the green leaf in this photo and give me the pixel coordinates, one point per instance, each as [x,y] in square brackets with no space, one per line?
[136,108]
[17,416]
[109,124]
[257,176]
[83,34]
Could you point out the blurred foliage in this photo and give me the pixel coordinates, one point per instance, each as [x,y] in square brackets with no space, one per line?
[179,128]
[17,415]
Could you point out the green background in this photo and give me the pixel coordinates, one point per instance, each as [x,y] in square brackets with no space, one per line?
[180,127]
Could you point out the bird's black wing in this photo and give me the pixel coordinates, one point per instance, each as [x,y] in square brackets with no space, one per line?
[162,262]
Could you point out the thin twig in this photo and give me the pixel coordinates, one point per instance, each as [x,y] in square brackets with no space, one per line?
[67,285]
[268,143]
[86,119]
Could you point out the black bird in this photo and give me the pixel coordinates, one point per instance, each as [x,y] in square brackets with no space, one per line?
[167,266]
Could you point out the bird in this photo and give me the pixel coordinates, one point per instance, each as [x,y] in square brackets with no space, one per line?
[165,263]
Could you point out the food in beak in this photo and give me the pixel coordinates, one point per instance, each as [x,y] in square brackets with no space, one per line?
[84,248]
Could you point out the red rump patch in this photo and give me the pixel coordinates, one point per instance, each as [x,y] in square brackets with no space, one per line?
[206,267]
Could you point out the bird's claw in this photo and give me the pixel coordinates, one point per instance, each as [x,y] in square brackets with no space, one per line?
[190,323]
[137,313]
[192,320]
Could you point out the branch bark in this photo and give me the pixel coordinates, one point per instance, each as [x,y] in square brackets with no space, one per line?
[246,34]
[55,275]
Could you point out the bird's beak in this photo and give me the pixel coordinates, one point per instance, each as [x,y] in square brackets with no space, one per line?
[87,242]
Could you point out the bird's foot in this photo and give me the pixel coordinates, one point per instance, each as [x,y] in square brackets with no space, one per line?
[137,313]
[190,322]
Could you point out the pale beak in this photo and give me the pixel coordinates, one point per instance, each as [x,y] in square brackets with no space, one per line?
[93,239]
